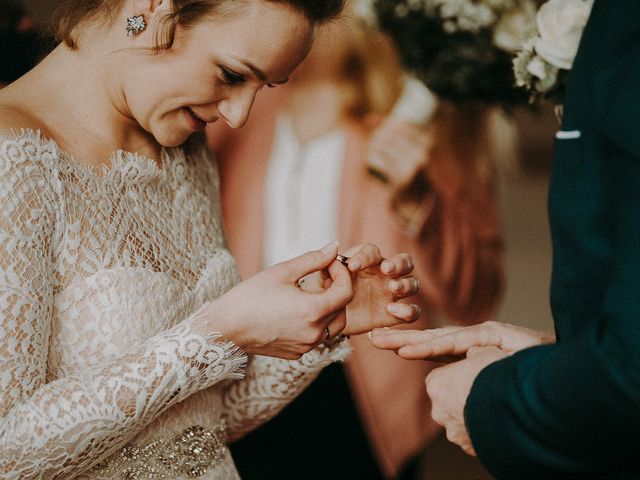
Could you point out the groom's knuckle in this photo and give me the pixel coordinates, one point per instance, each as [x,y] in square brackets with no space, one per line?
[492,325]
[451,436]
[430,382]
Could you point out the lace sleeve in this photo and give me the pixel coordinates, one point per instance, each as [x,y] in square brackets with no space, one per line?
[270,384]
[60,428]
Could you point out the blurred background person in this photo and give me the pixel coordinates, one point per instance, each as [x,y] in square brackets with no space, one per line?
[21,45]
[305,156]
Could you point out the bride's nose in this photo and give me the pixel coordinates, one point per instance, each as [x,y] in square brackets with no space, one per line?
[235,108]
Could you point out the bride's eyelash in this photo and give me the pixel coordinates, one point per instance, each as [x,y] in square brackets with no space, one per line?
[231,78]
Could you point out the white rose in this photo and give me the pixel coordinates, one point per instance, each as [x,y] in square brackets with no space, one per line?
[514,27]
[560,24]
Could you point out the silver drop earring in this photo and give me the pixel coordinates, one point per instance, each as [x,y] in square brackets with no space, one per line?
[135,24]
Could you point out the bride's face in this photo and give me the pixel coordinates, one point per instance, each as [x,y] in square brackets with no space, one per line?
[214,70]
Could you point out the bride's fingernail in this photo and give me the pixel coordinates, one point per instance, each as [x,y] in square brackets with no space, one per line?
[387,267]
[330,247]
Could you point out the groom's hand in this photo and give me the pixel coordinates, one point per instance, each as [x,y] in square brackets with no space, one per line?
[379,291]
[452,343]
[449,387]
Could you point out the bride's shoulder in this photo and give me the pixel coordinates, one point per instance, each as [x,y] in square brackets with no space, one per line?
[13,118]
[23,143]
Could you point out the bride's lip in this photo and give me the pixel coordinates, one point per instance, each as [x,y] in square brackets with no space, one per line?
[195,121]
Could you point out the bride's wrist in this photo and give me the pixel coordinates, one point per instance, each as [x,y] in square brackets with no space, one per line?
[213,319]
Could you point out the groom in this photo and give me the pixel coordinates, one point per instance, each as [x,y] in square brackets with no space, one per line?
[570,409]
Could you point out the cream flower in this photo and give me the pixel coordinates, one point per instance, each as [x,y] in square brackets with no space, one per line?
[515,26]
[546,75]
[364,10]
[560,24]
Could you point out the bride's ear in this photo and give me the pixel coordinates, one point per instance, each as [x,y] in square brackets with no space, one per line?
[157,5]
[150,9]
[153,8]
[144,17]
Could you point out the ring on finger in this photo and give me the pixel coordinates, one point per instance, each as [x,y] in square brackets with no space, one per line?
[343,259]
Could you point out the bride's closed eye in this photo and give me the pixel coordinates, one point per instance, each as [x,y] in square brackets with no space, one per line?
[230,77]
[233,78]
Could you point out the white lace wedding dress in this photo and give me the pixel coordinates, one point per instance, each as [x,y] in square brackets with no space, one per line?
[101,273]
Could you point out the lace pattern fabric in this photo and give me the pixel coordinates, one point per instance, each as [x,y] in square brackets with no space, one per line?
[102,272]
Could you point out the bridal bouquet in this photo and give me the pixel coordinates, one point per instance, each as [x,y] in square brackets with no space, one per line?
[544,62]
[461,49]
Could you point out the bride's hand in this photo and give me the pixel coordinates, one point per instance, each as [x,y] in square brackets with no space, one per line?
[268,314]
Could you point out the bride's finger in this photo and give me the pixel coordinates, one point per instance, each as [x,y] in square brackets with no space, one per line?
[335,326]
[339,290]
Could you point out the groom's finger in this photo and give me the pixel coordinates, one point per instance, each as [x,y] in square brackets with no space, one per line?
[404,287]
[406,312]
[393,339]
[363,257]
[452,344]
[397,266]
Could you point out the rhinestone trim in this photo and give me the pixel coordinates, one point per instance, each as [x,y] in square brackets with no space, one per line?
[189,453]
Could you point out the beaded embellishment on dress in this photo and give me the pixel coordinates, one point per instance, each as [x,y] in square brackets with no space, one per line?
[189,453]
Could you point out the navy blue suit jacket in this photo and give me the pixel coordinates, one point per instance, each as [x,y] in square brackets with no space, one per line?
[572,410]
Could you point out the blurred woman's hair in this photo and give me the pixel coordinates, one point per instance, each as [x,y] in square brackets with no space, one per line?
[185,14]
[372,79]
[464,141]
[371,75]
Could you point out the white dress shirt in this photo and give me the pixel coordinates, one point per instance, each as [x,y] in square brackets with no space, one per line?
[301,199]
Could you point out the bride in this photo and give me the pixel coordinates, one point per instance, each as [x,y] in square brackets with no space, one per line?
[124,328]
